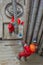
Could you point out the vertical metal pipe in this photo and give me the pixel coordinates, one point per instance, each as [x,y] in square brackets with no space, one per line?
[26,16]
[1,26]
[38,20]
[32,22]
[31,8]
[14,6]
[29,17]
[41,37]
[40,43]
[40,32]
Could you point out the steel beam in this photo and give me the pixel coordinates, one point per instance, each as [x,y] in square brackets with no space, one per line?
[38,21]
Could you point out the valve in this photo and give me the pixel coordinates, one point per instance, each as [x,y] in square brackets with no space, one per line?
[10,28]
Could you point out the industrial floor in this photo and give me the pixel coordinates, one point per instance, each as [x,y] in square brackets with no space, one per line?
[9,51]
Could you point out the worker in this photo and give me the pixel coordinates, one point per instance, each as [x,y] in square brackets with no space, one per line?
[28,50]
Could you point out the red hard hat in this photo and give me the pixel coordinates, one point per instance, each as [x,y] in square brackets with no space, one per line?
[32,47]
